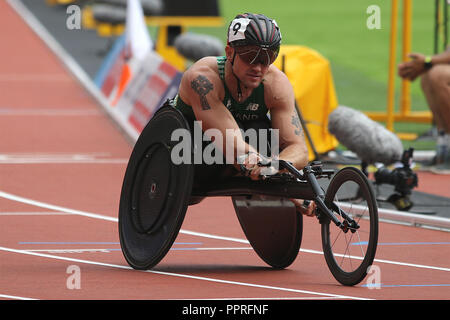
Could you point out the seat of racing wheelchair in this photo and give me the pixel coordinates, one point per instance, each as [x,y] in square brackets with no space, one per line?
[156,194]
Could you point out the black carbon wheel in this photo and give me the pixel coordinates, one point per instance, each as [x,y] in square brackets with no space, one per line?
[155,192]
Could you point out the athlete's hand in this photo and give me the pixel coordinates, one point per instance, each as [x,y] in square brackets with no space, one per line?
[256,171]
[305,207]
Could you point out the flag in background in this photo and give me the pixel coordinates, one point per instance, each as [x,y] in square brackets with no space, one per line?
[137,45]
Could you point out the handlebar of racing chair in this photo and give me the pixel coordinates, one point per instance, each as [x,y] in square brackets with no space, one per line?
[311,173]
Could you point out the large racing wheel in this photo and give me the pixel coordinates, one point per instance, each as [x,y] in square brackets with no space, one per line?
[349,252]
[155,192]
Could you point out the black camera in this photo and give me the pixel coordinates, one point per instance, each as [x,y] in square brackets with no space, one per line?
[404,179]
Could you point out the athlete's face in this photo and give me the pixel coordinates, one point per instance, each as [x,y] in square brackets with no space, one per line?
[249,67]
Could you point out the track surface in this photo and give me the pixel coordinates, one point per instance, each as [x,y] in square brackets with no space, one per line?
[62,163]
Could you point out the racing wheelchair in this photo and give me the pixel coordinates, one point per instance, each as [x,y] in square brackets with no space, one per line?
[156,193]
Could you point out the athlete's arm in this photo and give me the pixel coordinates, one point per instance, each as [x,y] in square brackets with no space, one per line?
[281,100]
[201,88]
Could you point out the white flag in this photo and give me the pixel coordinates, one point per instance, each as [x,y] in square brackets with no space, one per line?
[136,30]
[137,45]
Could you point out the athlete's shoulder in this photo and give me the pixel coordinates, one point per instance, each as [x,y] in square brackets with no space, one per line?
[276,81]
[202,74]
[274,76]
[206,66]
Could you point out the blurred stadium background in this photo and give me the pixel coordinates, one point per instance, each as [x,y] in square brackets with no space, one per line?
[359,56]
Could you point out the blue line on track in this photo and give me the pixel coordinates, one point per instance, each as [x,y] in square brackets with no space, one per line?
[64,242]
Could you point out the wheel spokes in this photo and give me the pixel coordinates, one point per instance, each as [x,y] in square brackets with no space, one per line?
[342,242]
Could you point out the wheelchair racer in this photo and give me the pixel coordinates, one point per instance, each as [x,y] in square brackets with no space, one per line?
[238,91]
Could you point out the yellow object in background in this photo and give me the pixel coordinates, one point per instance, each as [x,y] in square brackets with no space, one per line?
[57,2]
[167,51]
[310,75]
[165,48]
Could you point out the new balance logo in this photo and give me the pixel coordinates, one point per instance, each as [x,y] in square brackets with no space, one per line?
[252,106]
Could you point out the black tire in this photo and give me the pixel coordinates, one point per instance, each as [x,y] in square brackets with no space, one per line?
[155,193]
[350,254]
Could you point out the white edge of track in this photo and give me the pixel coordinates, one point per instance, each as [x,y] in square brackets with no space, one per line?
[386,215]
[112,219]
[56,208]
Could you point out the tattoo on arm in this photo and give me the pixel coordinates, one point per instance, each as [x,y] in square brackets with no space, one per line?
[202,86]
[296,122]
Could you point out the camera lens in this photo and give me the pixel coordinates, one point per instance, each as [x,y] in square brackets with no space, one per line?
[384,175]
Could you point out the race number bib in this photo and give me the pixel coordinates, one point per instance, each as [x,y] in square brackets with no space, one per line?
[237,29]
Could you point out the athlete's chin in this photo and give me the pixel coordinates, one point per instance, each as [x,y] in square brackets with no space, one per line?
[253,82]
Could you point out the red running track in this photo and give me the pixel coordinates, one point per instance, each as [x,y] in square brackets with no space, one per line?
[62,162]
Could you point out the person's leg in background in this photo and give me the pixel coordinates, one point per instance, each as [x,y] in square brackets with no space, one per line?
[436,87]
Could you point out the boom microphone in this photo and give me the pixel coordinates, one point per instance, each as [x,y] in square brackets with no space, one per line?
[109,14]
[150,7]
[372,142]
[195,46]
[115,11]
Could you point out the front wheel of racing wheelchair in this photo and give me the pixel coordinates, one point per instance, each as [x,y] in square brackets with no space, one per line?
[156,193]
[350,244]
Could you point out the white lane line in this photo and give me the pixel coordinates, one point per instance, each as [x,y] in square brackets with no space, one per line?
[49,158]
[213,249]
[49,112]
[88,155]
[108,250]
[211,236]
[7,296]
[71,250]
[56,208]
[179,275]
[49,213]
[56,161]
[318,252]
[200,234]
[267,298]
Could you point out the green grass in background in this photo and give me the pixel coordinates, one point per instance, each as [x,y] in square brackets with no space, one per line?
[359,56]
